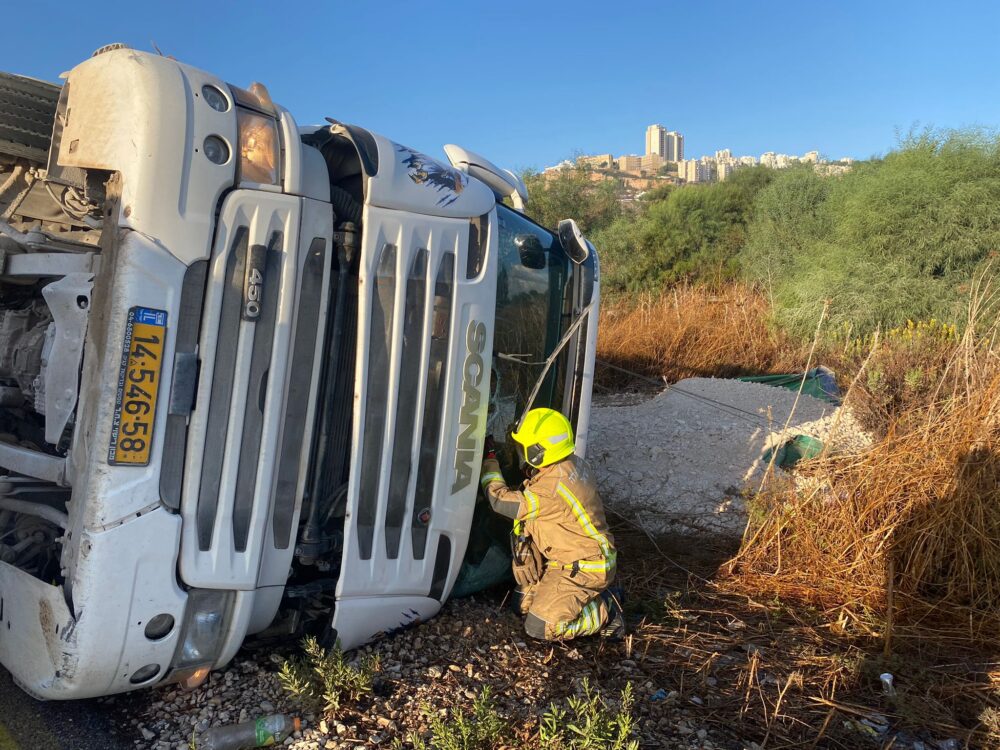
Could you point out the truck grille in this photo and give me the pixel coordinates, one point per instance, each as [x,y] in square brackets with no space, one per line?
[389,476]
[246,434]
[223,377]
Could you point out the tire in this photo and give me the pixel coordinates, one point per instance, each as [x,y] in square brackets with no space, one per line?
[27,112]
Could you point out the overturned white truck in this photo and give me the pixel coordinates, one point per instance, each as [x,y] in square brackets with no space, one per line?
[246,371]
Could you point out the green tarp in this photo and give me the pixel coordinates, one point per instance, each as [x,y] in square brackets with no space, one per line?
[820,382]
[795,449]
[487,559]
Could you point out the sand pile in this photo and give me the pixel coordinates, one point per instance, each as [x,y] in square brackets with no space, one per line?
[684,460]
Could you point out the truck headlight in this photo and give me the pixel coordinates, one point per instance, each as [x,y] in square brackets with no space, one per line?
[202,636]
[259,148]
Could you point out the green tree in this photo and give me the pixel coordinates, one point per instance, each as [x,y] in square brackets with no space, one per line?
[573,194]
[895,238]
[695,233]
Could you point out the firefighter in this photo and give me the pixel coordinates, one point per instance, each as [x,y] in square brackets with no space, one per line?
[564,555]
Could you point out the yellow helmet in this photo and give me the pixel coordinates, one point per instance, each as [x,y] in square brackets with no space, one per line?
[546,436]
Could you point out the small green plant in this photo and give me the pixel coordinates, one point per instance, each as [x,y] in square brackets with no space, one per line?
[914,378]
[875,379]
[589,724]
[321,679]
[482,730]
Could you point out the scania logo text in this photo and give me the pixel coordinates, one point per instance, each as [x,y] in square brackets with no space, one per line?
[466,463]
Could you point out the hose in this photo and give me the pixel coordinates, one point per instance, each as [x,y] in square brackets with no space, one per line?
[39,510]
[344,205]
[11,179]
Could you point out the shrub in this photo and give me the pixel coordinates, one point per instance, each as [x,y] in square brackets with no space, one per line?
[695,233]
[483,730]
[918,515]
[894,239]
[589,723]
[693,331]
[320,680]
[572,194]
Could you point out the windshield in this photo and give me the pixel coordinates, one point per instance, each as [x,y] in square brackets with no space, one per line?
[534,307]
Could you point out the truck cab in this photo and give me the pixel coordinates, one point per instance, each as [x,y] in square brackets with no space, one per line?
[246,372]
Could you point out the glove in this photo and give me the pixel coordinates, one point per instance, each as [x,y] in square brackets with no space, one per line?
[489,448]
[528,563]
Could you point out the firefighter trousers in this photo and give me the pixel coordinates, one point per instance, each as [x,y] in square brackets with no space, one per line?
[565,604]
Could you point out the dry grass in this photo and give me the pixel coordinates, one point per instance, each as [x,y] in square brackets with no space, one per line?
[693,331]
[916,518]
[779,673]
[891,559]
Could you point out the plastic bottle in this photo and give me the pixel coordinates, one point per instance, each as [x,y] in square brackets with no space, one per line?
[262,732]
[887,687]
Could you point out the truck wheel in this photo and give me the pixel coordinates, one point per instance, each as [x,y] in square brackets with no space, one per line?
[27,112]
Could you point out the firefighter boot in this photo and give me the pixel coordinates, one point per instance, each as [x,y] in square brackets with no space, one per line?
[614,628]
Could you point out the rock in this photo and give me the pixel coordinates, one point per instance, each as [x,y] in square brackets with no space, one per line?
[146,734]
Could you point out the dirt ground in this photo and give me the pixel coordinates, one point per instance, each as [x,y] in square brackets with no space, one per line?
[710,668]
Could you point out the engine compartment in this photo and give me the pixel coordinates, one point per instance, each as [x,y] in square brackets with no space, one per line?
[50,230]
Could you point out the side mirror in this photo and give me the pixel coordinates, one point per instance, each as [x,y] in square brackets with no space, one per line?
[529,247]
[573,242]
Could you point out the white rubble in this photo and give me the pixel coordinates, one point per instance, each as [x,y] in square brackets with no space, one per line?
[684,460]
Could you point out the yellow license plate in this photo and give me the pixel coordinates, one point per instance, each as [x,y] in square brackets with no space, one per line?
[138,384]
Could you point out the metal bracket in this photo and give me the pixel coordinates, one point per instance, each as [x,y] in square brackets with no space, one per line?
[33,463]
[69,302]
[48,264]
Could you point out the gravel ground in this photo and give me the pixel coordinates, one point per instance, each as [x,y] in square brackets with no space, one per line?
[437,666]
[683,460]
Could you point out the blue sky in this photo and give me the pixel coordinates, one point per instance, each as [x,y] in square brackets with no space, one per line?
[530,83]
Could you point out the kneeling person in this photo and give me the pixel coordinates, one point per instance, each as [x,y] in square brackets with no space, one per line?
[564,555]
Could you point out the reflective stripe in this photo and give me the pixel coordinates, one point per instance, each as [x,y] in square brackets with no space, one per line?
[532,499]
[491,476]
[590,530]
[604,564]
[586,623]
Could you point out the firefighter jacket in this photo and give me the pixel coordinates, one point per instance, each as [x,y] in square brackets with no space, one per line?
[561,510]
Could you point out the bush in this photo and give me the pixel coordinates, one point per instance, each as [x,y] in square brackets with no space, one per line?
[894,239]
[573,194]
[920,510]
[693,331]
[320,680]
[693,233]
[483,730]
[589,724]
